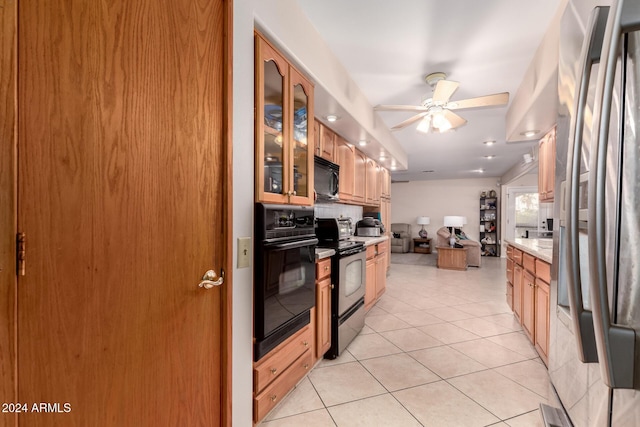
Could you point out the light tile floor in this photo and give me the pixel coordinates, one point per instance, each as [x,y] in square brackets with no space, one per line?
[440,348]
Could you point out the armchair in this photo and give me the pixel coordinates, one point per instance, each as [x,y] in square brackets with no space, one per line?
[473,247]
[401,244]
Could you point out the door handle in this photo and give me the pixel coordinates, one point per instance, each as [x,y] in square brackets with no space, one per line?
[209,279]
[582,319]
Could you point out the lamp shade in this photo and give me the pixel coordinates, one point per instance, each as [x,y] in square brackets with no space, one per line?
[423,220]
[454,221]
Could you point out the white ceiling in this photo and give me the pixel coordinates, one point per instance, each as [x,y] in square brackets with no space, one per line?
[486,45]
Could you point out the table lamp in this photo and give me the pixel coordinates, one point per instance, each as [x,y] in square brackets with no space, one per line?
[423,220]
[453,222]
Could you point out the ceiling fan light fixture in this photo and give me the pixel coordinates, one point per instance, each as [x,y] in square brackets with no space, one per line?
[424,125]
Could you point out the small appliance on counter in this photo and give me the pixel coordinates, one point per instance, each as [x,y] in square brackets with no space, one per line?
[369,227]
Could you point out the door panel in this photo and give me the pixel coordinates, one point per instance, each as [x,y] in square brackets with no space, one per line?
[121,146]
[7,207]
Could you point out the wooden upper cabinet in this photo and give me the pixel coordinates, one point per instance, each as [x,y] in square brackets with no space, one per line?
[345,158]
[384,183]
[372,195]
[327,144]
[547,167]
[284,129]
[359,176]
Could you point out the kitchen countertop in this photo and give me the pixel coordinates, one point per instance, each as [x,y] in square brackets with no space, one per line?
[540,248]
[368,241]
[322,253]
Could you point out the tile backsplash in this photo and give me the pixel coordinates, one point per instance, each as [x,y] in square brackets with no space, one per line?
[337,210]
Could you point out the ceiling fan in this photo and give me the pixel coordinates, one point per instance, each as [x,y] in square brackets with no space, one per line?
[435,112]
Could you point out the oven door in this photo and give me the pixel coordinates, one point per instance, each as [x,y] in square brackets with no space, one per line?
[285,284]
[351,280]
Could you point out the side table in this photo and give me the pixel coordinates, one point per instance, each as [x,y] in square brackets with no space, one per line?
[452,258]
[422,246]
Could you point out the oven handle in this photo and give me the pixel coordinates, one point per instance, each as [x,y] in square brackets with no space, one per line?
[291,245]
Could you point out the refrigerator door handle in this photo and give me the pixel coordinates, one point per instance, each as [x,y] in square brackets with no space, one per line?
[615,343]
[582,319]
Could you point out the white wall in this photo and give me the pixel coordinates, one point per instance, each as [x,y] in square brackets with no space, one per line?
[438,198]
[243,208]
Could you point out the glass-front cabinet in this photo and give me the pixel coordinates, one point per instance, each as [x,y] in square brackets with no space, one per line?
[284,129]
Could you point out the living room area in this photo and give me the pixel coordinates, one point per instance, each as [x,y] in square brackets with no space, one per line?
[435,202]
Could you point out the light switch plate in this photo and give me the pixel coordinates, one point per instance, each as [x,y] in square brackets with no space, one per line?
[244,252]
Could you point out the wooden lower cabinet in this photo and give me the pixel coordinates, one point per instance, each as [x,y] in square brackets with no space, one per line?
[278,372]
[530,297]
[528,304]
[323,317]
[517,291]
[381,269]
[541,341]
[370,284]
[376,272]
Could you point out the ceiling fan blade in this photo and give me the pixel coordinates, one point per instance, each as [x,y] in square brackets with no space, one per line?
[399,108]
[497,99]
[443,91]
[409,121]
[454,119]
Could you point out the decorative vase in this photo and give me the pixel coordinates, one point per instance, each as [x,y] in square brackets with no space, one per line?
[422,233]
[452,240]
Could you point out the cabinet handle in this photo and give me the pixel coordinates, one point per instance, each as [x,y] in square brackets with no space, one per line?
[306,366]
[273,371]
[326,268]
[305,343]
[273,398]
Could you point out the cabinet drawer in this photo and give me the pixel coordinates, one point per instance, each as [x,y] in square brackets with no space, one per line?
[529,262]
[281,358]
[323,268]
[278,389]
[371,251]
[383,247]
[510,252]
[517,256]
[543,270]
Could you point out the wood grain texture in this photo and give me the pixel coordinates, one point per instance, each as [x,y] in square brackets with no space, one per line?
[122,150]
[8,384]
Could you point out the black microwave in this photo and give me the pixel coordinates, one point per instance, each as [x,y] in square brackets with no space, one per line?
[326,180]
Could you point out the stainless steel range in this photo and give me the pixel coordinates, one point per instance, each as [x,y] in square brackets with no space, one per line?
[348,269]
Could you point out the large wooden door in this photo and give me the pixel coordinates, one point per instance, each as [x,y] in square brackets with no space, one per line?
[122,149]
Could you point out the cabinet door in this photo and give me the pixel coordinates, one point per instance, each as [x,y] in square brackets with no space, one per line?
[301,172]
[546,167]
[323,317]
[542,318]
[372,197]
[359,176]
[517,291]
[272,157]
[327,144]
[370,284]
[346,159]
[381,274]
[528,301]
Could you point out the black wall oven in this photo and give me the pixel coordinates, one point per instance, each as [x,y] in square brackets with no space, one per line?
[284,282]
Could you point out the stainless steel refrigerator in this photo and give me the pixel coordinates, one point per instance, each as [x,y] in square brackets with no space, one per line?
[594,359]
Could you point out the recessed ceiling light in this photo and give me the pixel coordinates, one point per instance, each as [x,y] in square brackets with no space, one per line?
[362,142]
[382,157]
[489,142]
[480,170]
[393,167]
[332,118]
[529,133]
[489,157]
